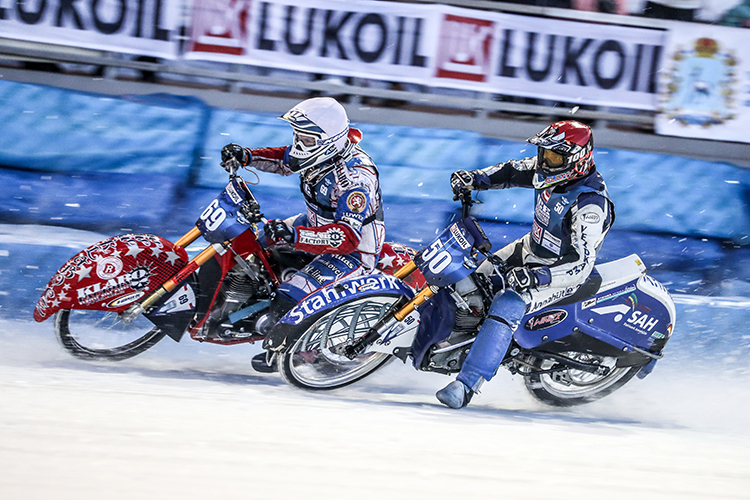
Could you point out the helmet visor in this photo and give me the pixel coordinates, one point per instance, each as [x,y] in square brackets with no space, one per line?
[550,162]
[305,141]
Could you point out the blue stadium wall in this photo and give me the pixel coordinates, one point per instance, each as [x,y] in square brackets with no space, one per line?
[151,164]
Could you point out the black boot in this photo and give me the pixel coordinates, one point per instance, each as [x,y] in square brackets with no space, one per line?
[260,363]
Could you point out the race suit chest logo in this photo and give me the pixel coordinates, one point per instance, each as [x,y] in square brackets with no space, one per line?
[332,237]
[542,211]
[546,319]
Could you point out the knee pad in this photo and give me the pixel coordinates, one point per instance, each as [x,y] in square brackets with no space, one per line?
[508,307]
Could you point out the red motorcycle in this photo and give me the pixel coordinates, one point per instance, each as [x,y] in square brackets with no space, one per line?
[122,295]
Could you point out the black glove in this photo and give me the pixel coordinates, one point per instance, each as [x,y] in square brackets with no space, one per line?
[250,210]
[522,279]
[461,182]
[277,231]
[236,152]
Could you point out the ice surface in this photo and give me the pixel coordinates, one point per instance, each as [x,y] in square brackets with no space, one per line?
[192,420]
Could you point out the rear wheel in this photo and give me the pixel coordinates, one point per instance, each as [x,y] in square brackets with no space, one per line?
[316,360]
[100,335]
[570,387]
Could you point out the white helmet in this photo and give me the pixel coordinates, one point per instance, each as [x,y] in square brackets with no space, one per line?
[320,132]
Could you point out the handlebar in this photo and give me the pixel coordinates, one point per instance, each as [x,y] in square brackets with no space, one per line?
[464,196]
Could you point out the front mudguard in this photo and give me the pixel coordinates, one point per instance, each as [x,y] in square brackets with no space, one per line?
[111,274]
[288,329]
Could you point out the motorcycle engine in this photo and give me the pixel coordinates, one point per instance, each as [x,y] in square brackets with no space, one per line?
[448,355]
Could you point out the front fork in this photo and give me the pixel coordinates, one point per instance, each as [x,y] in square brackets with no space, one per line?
[143,306]
[389,320]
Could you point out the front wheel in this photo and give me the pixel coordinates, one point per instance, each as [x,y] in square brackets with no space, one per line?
[316,360]
[570,387]
[100,335]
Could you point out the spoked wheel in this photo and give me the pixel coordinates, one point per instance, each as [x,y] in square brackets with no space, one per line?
[316,360]
[100,335]
[570,387]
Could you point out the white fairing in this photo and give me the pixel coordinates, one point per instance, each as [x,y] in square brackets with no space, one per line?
[400,335]
[650,286]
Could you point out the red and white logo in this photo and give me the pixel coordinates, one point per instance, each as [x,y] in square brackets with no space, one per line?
[108,267]
[464,49]
[356,202]
[220,26]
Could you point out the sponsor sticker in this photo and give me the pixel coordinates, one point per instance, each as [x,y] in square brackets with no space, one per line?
[591,218]
[546,319]
[126,299]
[458,235]
[536,232]
[332,237]
[234,195]
[551,242]
[598,300]
[108,267]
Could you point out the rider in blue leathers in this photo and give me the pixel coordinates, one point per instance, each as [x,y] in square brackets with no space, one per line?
[343,222]
[572,215]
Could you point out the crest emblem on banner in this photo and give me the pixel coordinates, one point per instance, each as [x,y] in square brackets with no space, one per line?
[701,85]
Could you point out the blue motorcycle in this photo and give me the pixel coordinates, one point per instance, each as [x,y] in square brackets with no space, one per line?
[575,351]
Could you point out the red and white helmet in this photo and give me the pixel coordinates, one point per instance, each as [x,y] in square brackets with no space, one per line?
[565,152]
[320,132]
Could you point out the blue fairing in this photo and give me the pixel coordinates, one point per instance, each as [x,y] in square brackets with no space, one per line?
[221,220]
[335,294]
[449,258]
[624,317]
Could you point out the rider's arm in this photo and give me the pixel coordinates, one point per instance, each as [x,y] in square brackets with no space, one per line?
[273,160]
[276,160]
[345,233]
[513,173]
[591,218]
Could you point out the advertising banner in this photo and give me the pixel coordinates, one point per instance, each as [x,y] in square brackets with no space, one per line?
[435,45]
[144,27]
[705,84]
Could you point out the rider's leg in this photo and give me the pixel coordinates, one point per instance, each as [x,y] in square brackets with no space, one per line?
[487,351]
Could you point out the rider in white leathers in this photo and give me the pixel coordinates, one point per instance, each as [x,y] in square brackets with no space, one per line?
[572,215]
[343,221]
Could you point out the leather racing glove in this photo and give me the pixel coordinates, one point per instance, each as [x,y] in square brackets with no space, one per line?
[521,279]
[235,152]
[462,181]
[277,231]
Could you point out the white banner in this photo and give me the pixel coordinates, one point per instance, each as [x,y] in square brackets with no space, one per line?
[705,84]
[435,45]
[144,27]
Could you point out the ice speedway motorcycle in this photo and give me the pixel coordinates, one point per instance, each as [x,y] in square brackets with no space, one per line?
[575,351]
[122,295]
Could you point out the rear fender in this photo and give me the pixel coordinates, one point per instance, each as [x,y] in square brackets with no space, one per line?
[111,275]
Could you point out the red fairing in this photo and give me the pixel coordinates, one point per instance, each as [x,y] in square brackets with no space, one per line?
[330,238]
[395,256]
[111,274]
